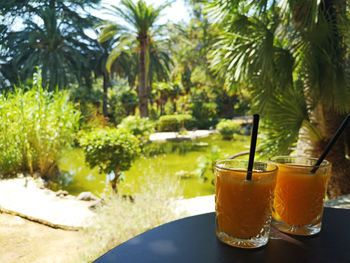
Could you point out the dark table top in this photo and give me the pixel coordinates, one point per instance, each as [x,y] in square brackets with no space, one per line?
[193,239]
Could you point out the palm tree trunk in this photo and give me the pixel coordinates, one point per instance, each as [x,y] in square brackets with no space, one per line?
[105,91]
[326,123]
[143,94]
[339,183]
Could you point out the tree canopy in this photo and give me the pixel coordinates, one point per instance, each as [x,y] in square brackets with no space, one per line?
[292,56]
[140,35]
[51,35]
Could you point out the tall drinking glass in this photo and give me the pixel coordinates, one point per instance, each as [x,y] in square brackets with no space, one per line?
[299,194]
[243,208]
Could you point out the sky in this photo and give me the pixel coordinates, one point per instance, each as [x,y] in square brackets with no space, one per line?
[175,13]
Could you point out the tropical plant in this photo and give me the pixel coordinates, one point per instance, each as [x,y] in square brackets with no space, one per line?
[206,164]
[140,37]
[35,126]
[163,92]
[204,90]
[111,150]
[52,37]
[292,56]
[122,66]
[122,100]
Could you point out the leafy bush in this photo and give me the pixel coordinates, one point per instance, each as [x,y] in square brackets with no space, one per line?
[186,121]
[168,123]
[206,164]
[111,150]
[202,108]
[175,122]
[140,127]
[226,128]
[35,126]
[121,101]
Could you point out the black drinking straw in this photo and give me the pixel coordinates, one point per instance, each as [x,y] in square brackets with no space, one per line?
[252,146]
[330,144]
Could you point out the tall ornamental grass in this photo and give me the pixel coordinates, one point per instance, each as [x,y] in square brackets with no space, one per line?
[35,126]
[119,220]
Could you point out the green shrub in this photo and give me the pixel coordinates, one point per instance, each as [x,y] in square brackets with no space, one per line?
[140,127]
[169,107]
[152,113]
[168,123]
[175,122]
[202,108]
[111,150]
[186,121]
[35,126]
[226,128]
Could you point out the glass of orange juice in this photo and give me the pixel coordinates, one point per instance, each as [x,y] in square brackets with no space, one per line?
[299,194]
[243,208]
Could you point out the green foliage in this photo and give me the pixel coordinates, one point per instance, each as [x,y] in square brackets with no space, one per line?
[227,128]
[35,126]
[138,39]
[186,121]
[292,59]
[110,149]
[142,128]
[288,111]
[206,164]
[205,96]
[168,123]
[51,34]
[202,109]
[122,100]
[152,113]
[88,101]
[175,122]
[169,108]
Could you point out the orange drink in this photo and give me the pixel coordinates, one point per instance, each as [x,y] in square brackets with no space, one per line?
[299,195]
[243,208]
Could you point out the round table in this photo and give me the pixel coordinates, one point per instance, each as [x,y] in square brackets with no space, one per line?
[193,239]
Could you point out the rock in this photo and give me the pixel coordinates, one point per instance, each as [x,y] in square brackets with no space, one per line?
[41,183]
[61,193]
[87,196]
[97,204]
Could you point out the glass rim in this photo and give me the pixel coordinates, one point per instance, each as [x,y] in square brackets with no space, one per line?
[324,163]
[216,165]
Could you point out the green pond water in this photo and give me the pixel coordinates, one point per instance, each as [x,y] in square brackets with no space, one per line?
[177,159]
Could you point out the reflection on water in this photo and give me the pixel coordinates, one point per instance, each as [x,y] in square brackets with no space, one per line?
[174,159]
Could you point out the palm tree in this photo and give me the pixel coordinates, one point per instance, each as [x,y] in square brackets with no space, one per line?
[292,57]
[121,66]
[48,48]
[54,41]
[139,35]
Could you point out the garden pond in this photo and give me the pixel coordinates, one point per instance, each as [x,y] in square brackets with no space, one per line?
[189,160]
